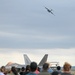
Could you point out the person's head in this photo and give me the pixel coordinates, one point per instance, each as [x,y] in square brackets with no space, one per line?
[55,73]
[58,68]
[66,66]
[45,66]
[3,69]
[23,69]
[28,68]
[33,66]
[14,70]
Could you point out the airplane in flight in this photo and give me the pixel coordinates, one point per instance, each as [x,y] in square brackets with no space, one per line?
[28,61]
[50,11]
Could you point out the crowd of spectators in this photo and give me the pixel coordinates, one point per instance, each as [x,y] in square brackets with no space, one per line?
[33,69]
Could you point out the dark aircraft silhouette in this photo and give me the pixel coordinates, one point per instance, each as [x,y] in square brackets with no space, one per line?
[50,11]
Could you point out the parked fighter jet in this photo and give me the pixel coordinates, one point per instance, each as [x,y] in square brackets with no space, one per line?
[28,61]
[50,11]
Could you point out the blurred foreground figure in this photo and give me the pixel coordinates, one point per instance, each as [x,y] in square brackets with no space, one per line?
[33,67]
[27,69]
[55,73]
[45,69]
[59,69]
[66,69]
[2,70]
[22,71]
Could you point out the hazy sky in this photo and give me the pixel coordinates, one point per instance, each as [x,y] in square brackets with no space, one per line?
[27,27]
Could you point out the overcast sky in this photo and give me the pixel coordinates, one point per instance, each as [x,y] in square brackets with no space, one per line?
[27,27]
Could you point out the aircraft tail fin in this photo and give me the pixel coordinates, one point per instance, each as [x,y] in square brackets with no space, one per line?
[27,60]
[44,59]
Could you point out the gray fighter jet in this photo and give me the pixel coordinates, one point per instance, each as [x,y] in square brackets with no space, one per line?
[50,11]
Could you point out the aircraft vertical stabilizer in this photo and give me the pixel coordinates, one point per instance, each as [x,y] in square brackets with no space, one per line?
[27,60]
[44,60]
